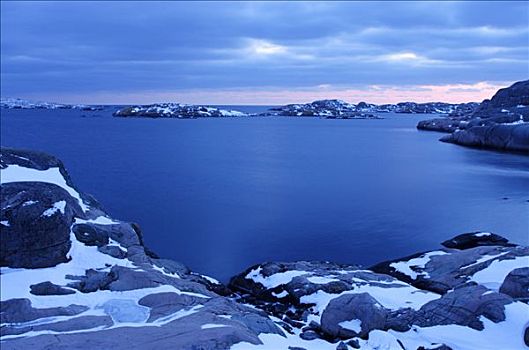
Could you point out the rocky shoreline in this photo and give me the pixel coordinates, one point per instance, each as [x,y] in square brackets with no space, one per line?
[501,123]
[73,277]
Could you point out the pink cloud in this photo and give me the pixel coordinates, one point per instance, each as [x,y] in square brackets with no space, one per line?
[379,94]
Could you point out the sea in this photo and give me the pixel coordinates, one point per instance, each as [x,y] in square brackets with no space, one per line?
[221,195]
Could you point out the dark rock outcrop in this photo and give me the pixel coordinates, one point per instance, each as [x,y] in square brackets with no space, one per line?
[501,137]
[48,288]
[501,123]
[476,239]
[36,222]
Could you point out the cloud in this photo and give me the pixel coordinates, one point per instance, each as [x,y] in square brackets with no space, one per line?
[265,48]
[66,48]
[380,94]
[406,57]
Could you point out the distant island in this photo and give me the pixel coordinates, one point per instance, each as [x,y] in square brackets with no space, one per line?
[18,103]
[501,123]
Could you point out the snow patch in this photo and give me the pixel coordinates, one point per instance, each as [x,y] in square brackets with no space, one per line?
[280,295]
[493,276]
[213,325]
[321,280]
[274,280]
[405,267]
[16,173]
[57,206]
[354,325]
[482,234]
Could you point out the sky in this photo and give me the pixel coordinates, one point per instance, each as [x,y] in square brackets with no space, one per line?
[264,53]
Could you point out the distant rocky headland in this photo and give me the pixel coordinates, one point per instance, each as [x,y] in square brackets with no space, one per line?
[74,277]
[501,123]
[17,103]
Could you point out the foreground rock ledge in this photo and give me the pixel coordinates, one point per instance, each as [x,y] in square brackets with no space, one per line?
[73,277]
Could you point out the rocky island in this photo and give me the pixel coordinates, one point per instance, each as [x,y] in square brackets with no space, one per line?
[74,277]
[176,110]
[501,123]
[329,109]
[343,110]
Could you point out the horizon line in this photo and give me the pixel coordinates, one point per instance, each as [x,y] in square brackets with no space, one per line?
[276,96]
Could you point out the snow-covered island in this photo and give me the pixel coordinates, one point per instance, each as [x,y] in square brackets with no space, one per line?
[176,110]
[74,277]
[501,123]
[363,110]
[330,109]
[17,103]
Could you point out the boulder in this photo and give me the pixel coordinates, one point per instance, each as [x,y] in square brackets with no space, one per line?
[516,284]
[37,218]
[90,235]
[92,281]
[353,315]
[475,239]
[48,288]
[464,306]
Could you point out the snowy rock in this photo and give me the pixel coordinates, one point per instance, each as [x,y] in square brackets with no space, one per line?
[32,239]
[353,315]
[464,306]
[441,271]
[315,290]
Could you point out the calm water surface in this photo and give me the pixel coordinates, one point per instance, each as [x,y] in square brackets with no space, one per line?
[223,194]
